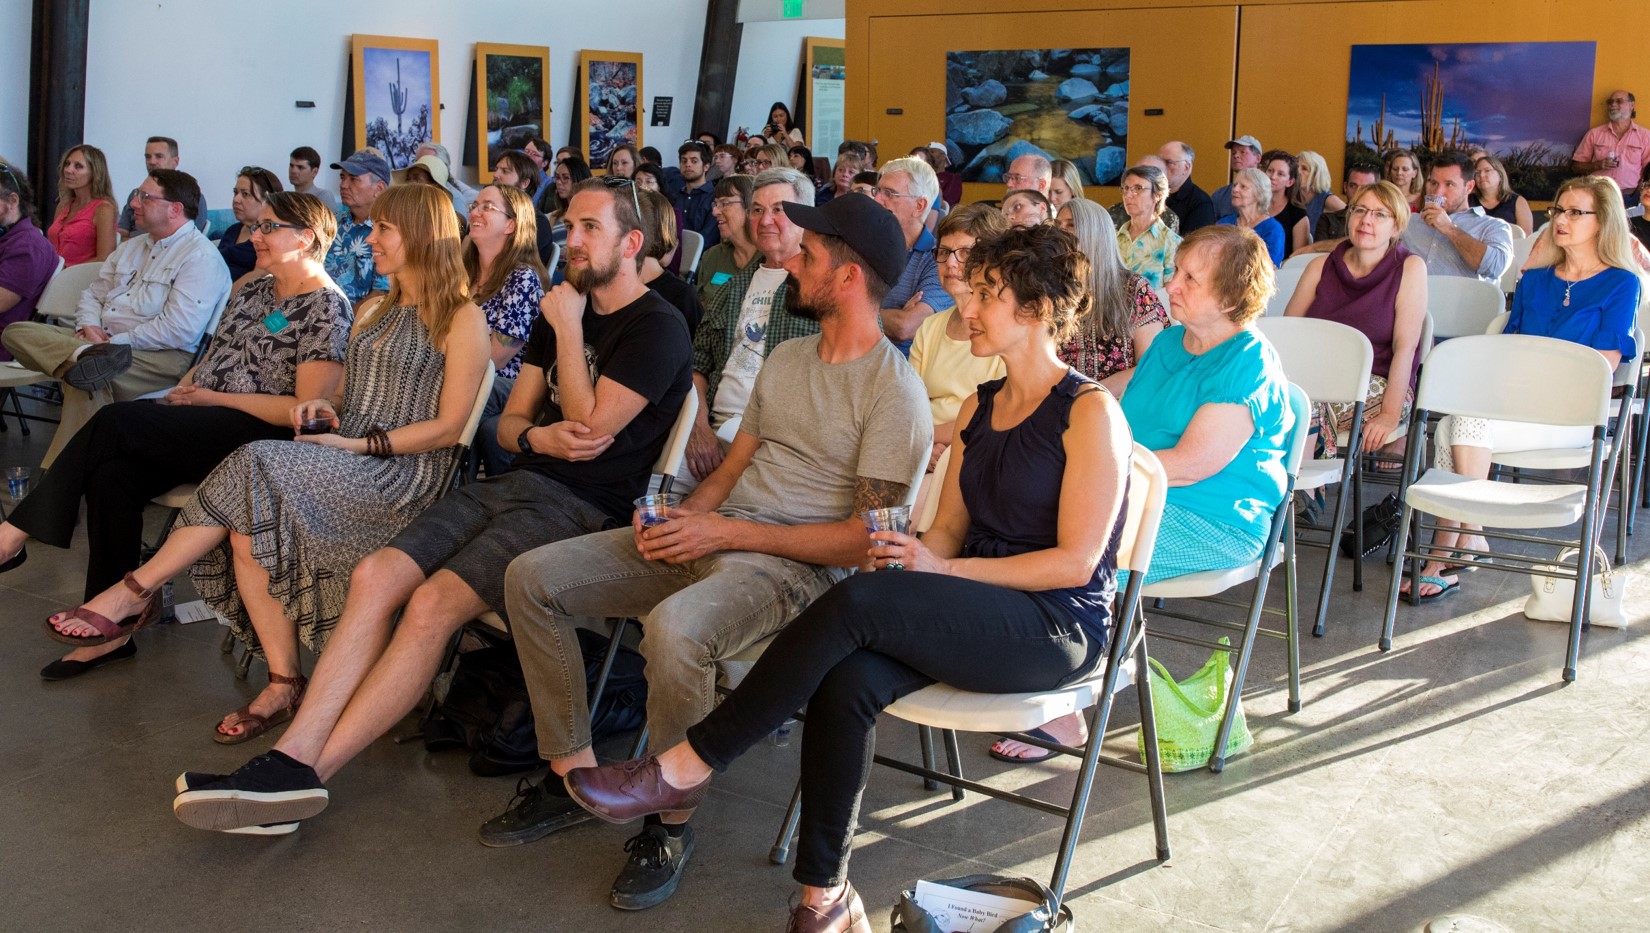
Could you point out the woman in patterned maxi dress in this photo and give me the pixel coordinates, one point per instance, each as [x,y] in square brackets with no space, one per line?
[275,530]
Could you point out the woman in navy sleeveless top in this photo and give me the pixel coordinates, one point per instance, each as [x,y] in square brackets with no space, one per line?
[1009,591]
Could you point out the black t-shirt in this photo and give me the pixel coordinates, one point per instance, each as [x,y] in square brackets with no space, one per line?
[644,347]
[1288,217]
[684,296]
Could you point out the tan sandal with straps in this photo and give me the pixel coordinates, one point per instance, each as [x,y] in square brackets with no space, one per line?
[252,725]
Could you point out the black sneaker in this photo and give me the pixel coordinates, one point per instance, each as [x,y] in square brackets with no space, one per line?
[654,868]
[532,814]
[270,789]
[195,780]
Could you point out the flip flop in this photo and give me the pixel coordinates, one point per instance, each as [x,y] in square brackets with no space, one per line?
[1467,564]
[1446,588]
[1017,760]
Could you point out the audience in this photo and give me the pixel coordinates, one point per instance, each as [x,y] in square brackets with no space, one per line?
[801,158]
[865,183]
[1619,147]
[1331,228]
[1251,196]
[622,161]
[507,281]
[1586,291]
[462,194]
[648,155]
[659,233]
[1064,183]
[836,426]
[429,170]
[694,197]
[950,182]
[1312,195]
[252,185]
[515,169]
[537,151]
[301,168]
[1283,171]
[362,178]
[587,439]
[1027,207]
[141,320]
[735,249]
[1013,591]
[84,228]
[942,352]
[1491,192]
[1146,243]
[158,152]
[1189,203]
[27,260]
[907,188]
[569,172]
[780,128]
[1029,171]
[1245,152]
[772,155]
[841,181]
[725,160]
[1404,170]
[243,390]
[744,322]
[1124,315]
[1453,238]
[1373,283]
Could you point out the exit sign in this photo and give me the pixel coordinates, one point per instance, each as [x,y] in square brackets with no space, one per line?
[790,9]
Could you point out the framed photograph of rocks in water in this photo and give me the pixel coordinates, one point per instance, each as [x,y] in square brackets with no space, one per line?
[610,102]
[512,97]
[1070,104]
[397,95]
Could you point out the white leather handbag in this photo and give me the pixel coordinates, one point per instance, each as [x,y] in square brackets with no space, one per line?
[1551,597]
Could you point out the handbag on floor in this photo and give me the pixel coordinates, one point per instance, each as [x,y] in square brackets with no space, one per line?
[1380,523]
[1188,714]
[1039,916]
[1551,598]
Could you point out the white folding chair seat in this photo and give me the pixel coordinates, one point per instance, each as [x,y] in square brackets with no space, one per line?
[1500,505]
[1208,582]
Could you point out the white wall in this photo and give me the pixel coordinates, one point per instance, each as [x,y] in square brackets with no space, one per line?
[770,61]
[222,77]
[16,28]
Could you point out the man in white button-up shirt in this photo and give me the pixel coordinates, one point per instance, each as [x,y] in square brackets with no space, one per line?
[139,323]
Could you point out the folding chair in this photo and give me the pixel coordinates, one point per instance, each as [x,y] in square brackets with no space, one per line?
[1287,281]
[1299,261]
[693,246]
[1461,306]
[1520,254]
[62,295]
[1012,714]
[1211,583]
[1331,362]
[1508,377]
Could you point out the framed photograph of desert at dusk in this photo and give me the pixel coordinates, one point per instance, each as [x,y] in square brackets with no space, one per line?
[397,95]
[512,97]
[1526,103]
[610,103]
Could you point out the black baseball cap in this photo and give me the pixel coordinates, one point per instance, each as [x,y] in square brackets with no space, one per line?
[867,227]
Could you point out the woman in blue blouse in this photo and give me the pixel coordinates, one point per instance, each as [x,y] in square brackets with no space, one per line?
[1252,199]
[1587,292]
[506,281]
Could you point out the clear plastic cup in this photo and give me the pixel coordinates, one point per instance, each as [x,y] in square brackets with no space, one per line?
[17,482]
[894,518]
[655,509]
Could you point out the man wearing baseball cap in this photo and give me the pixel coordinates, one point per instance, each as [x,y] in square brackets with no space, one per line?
[837,424]
[1246,152]
[361,179]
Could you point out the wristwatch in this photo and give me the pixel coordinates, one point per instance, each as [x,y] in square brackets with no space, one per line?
[525,445]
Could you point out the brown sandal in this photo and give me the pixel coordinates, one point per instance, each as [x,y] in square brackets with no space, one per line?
[256,725]
[109,630]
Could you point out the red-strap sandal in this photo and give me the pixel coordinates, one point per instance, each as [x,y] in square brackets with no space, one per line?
[109,630]
[252,725]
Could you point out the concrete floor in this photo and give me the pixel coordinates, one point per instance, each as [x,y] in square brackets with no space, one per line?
[1455,774]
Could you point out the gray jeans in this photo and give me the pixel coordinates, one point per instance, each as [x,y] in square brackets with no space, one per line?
[692,614]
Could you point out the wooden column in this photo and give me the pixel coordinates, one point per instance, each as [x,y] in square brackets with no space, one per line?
[57,92]
[718,68]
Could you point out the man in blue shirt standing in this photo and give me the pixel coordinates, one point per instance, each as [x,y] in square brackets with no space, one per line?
[907,188]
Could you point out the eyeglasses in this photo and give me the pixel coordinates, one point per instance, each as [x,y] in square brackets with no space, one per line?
[943,255]
[1618,100]
[1137,189]
[1177,161]
[764,163]
[613,181]
[147,197]
[266,227]
[727,204]
[1017,179]
[1373,214]
[493,208]
[882,192]
[1556,212]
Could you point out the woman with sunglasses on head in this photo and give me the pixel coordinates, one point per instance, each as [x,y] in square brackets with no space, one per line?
[507,281]
[1582,285]
[84,228]
[280,340]
[251,184]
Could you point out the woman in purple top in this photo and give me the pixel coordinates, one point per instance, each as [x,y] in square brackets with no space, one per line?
[1373,283]
[27,260]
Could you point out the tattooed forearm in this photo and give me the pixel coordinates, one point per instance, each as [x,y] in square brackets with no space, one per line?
[877,493]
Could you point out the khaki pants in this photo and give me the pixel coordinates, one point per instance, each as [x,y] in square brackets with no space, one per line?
[47,348]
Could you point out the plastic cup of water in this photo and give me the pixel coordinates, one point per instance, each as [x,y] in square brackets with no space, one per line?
[894,518]
[655,509]
[17,482]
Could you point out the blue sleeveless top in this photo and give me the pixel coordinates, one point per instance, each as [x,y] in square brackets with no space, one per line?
[1011,482]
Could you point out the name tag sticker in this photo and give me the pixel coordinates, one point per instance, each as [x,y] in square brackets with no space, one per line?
[276,322]
[720,278]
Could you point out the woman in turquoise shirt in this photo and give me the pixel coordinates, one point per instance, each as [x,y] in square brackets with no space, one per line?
[1210,399]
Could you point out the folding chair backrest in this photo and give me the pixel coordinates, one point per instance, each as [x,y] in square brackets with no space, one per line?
[1148,487]
[1626,373]
[1299,261]
[670,459]
[1461,306]
[63,292]
[1516,232]
[1517,377]
[555,257]
[474,421]
[1287,280]
[1302,408]
[1330,361]
[1498,324]
[693,246]
[1426,337]
[1520,254]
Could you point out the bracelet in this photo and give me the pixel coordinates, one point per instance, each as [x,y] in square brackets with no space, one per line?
[378,443]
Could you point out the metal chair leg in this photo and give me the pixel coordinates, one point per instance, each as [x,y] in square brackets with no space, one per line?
[925,736]
[953,754]
[781,850]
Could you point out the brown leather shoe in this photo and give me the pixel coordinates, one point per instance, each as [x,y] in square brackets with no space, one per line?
[847,915]
[630,790]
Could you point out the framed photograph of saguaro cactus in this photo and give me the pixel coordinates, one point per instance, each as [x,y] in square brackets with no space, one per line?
[610,103]
[512,103]
[397,95]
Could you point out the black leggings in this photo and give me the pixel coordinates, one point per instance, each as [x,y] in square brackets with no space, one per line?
[868,641]
[127,454]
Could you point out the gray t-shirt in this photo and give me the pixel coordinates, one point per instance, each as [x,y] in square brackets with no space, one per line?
[823,424]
